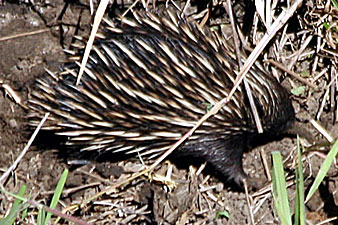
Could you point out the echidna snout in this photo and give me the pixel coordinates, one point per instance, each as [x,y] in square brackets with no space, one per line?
[147,82]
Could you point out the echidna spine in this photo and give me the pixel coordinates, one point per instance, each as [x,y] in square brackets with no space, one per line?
[147,82]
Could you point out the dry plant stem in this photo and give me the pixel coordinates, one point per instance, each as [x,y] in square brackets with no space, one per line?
[265,164]
[14,165]
[279,22]
[228,8]
[257,204]
[58,213]
[268,189]
[322,105]
[248,91]
[174,4]
[72,190]
[319,75]
[300,51]
[102,180]
[334,53]
[333,87]
[132,6]
[263,191]
[281,43]
[97,20]
[253,107]
[200,169]
[318,50]
[259,220]
[327,221]
[293,74]
[91,7]
[9,91]
[206,17]
[24,34]
[12,94]
[321,130]
[252,220]
[185,7]
[330,90]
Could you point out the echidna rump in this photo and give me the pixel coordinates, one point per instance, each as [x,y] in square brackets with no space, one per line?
[147,82]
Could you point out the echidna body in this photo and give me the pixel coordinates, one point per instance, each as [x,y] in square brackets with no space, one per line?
[147,82]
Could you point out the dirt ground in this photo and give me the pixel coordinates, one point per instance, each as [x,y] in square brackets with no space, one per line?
[199,198]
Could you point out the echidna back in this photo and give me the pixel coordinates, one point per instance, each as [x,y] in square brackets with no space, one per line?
[147,82]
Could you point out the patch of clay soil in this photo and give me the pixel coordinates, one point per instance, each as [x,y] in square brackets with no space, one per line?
[22,59]
[196,198]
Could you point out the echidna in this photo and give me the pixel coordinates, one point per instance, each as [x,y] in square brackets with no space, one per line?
[147,82]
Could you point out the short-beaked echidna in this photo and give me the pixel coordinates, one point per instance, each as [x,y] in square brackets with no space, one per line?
[147,82]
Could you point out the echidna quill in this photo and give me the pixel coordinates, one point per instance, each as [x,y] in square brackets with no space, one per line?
[147,82]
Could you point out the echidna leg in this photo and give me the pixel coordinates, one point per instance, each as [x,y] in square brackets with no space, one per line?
[223,154]
[227,157]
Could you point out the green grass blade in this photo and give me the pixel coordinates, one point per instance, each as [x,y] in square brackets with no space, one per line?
[57,193]
[323,170]
[279,190]
[335,3]
[16,207]
[299,204]
[24,214]
[41,217]
[223,213]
